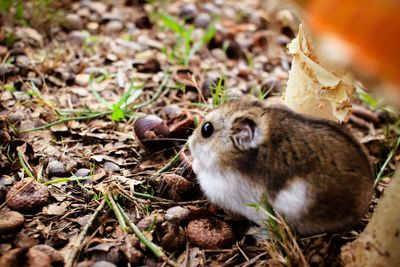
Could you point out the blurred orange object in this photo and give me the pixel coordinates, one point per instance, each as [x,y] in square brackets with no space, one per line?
[369,28]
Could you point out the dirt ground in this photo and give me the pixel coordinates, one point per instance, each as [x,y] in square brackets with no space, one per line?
[83,173]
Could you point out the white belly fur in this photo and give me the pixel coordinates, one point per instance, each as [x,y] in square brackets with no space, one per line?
[233,192]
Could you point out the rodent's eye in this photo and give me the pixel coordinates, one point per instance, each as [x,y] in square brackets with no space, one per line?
[207,129]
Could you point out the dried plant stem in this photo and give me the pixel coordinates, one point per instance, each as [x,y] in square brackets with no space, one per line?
[24,163]
[62,120]
[79,242]
[157,251]
[103,113]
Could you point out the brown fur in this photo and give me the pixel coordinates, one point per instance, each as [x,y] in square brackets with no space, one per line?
[322,153]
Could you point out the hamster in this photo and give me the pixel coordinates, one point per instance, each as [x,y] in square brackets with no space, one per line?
[311,171]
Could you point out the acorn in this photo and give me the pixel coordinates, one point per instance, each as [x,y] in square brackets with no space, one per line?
[210,233]
[27,196]
[151,132]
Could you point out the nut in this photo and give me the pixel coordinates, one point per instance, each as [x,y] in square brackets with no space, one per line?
[174,186]
[11,222]
[27,196]
[150,131]
[174,237]
[210,233]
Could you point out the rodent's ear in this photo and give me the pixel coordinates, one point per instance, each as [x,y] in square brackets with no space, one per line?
[245,134]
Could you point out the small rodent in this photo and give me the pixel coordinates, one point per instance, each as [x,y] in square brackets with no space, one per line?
[312,171]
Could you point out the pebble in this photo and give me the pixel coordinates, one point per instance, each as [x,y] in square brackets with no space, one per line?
[104,264]
[73,22]
[176,213]
[202,20]
[22,61]
[55,168]
[6,69]
[98,7]
[188,12]
[92,26]
[21,96]
[114,26]
[78,37]
[111,166]
[15,117]
[82,79]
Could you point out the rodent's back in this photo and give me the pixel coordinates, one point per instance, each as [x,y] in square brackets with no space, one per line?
[325,156]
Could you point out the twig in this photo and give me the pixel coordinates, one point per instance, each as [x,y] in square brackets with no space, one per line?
[79,242]
[254,260]
[157,251]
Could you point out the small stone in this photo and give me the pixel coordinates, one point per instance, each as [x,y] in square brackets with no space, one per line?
[55,168]
[22,61]
[188,12]
[111,167]
[172,111]
[104,264]
[78,37]
[6,69]
[82,172]
[21,96]
[82,79]
[73,22]
[177,213]
[114,26]
[98,7]
[202,20]
[92,26]
[16,117]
